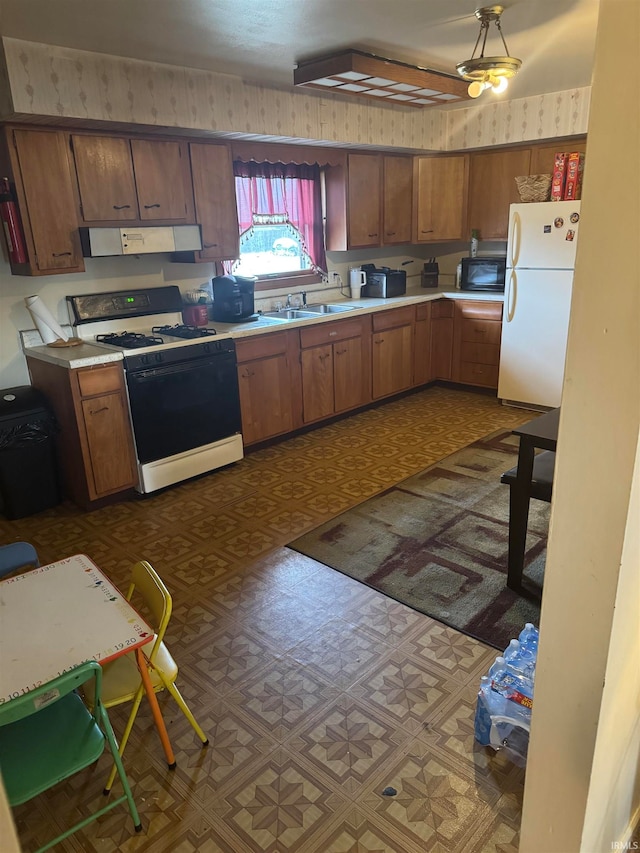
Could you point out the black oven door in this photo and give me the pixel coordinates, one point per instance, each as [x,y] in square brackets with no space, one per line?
[179,407]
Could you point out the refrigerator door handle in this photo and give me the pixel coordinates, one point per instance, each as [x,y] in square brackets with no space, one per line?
[516,237]
[511,295]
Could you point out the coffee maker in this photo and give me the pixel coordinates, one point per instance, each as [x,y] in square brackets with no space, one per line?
[233,299]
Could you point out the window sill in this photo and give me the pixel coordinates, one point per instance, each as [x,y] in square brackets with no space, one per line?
[288,280]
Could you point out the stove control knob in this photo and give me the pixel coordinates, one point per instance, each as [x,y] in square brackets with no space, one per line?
[158,357]
[144,359]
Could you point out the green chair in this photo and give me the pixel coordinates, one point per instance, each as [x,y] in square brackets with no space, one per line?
[48,734]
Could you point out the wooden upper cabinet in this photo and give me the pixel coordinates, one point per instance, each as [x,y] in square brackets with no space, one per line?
[364,200]
[105,178]
[492,188]
[47,202]
[441,191]
[132,180]
[162,179]
[542,156]
[397,199]
[216,210]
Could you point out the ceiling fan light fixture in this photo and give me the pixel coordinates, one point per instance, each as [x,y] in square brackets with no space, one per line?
[492,72]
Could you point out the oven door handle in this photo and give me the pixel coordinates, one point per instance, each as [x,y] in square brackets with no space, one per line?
[148,375]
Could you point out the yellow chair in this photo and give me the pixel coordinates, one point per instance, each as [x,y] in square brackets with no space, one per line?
[122,681]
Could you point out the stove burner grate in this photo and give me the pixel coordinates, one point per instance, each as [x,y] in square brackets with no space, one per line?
[129,340]
[183,331]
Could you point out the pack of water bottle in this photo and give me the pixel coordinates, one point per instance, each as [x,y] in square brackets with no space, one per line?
[505,698]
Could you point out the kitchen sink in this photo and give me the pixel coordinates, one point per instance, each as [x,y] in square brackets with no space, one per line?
[329,309]
[291,314]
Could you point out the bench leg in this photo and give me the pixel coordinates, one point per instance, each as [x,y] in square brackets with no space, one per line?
[519,498]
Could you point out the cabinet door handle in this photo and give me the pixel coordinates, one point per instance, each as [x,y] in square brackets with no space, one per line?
[379,341]
[391,233]
[332,334]
[121,206]
[97,411]
[248,374]
[323,356]
[60,254]
[209,245]
[149,206]
[427,231]
[340,351]
[373,235]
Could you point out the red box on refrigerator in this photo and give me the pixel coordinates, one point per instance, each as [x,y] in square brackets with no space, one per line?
[559,175]
[573,182]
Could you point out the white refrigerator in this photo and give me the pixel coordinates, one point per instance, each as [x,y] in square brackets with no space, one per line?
[541,252]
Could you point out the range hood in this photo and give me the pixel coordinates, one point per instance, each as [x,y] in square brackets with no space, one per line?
[106,242]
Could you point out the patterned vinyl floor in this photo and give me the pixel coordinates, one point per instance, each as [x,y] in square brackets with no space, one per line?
[317,693]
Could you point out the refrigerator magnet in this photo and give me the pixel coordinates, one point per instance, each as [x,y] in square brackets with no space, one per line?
[546,229]
[575,217]
[558,222]
[570,235]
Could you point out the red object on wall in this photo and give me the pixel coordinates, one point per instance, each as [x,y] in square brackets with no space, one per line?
[11,224]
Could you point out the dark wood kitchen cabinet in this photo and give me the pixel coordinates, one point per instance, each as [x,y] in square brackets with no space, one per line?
[397,200]
[39,162]
[441,338]
[477,329]
[95,445]
[364,206]
[215,198]
[266,386]
[492,188]
[440,186]
[133,180]
[392,351]
[422,344]
[335,367]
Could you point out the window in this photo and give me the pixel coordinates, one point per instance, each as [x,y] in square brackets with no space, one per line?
[280,218]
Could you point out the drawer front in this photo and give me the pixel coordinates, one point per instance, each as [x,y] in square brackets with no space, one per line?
[99,380]
[479,374]
[442,308]
[423,311]
[481,331]
[480,353]
[480,310]
[392,318]
[328,333]
[262,346]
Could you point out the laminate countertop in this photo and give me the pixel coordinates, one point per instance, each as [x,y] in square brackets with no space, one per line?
[88,355]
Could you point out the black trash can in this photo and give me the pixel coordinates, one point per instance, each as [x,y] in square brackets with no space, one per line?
[28,473]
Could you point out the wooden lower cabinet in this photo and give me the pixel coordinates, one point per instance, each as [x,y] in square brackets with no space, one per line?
[264,379]
[335,368]
[476,343]
[422,345]
[441,339]
[392,351]
[95,445]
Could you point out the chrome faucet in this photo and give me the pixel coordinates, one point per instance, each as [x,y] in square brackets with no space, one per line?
[303,294]
[288,302]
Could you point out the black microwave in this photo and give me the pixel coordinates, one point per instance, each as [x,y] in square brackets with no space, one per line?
[483,273]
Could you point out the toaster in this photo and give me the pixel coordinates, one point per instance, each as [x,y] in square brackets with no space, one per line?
[384,282]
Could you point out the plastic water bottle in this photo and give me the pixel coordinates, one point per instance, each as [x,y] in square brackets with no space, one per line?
[529,637]
[482,721]
[520,659]
[497,667]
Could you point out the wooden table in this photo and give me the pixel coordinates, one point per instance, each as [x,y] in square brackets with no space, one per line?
[542,433]
[58,616]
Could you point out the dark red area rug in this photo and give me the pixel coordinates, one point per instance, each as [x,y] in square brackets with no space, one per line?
[438,543]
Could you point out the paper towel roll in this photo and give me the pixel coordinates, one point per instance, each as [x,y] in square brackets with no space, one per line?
[49,328]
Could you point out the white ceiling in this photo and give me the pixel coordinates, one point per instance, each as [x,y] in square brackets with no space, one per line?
[261,40]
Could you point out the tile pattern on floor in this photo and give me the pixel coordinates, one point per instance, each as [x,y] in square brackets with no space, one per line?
[316,692]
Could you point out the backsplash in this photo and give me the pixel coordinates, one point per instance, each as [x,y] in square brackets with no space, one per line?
[63,83]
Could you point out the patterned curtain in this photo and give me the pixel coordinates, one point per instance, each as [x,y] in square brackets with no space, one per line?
[270,193]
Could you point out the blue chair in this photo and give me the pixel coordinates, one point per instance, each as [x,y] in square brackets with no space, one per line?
[49,734]
[17,555]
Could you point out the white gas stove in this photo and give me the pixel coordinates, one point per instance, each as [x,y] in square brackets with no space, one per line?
[181,380]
